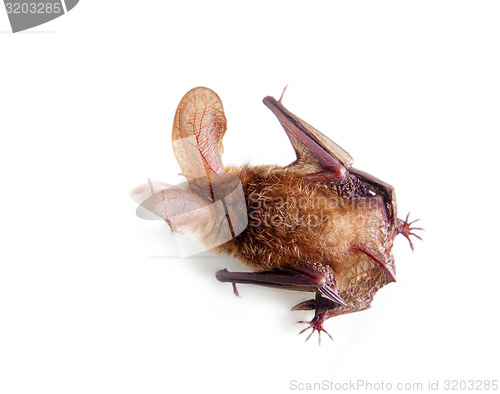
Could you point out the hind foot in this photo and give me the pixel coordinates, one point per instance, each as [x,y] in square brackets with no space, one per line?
[406,229]
[316,324]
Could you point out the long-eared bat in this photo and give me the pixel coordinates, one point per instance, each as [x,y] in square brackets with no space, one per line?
[317,225]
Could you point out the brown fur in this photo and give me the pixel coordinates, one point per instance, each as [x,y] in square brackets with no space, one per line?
[293,221]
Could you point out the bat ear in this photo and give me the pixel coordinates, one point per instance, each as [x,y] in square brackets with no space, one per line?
[143,192]
[183,210]
[214,211]
[199,126]
[318,157]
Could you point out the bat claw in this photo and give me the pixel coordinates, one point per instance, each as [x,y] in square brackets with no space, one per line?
[315,324]
[405,228]
[235,290]
[283,93]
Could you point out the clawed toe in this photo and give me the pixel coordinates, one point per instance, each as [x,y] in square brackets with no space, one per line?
[315,324]
[406,229]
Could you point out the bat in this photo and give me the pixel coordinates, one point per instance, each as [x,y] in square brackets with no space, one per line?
[317,225]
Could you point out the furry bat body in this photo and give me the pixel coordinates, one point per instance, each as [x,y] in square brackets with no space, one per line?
[316,225]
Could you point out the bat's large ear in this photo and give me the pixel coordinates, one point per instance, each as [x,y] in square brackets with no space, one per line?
[199,126]
[187,208]
[181,209]
[184,211]
[318,157]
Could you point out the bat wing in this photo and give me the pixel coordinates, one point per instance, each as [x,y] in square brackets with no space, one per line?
[317,155]
[320,159]
[283,278]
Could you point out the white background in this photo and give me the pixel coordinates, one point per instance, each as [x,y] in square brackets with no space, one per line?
[410,89]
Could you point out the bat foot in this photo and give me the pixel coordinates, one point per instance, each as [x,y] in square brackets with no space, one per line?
[316,324]
[405,228]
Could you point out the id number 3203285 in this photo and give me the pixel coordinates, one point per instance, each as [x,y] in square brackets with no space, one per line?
[33,8]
